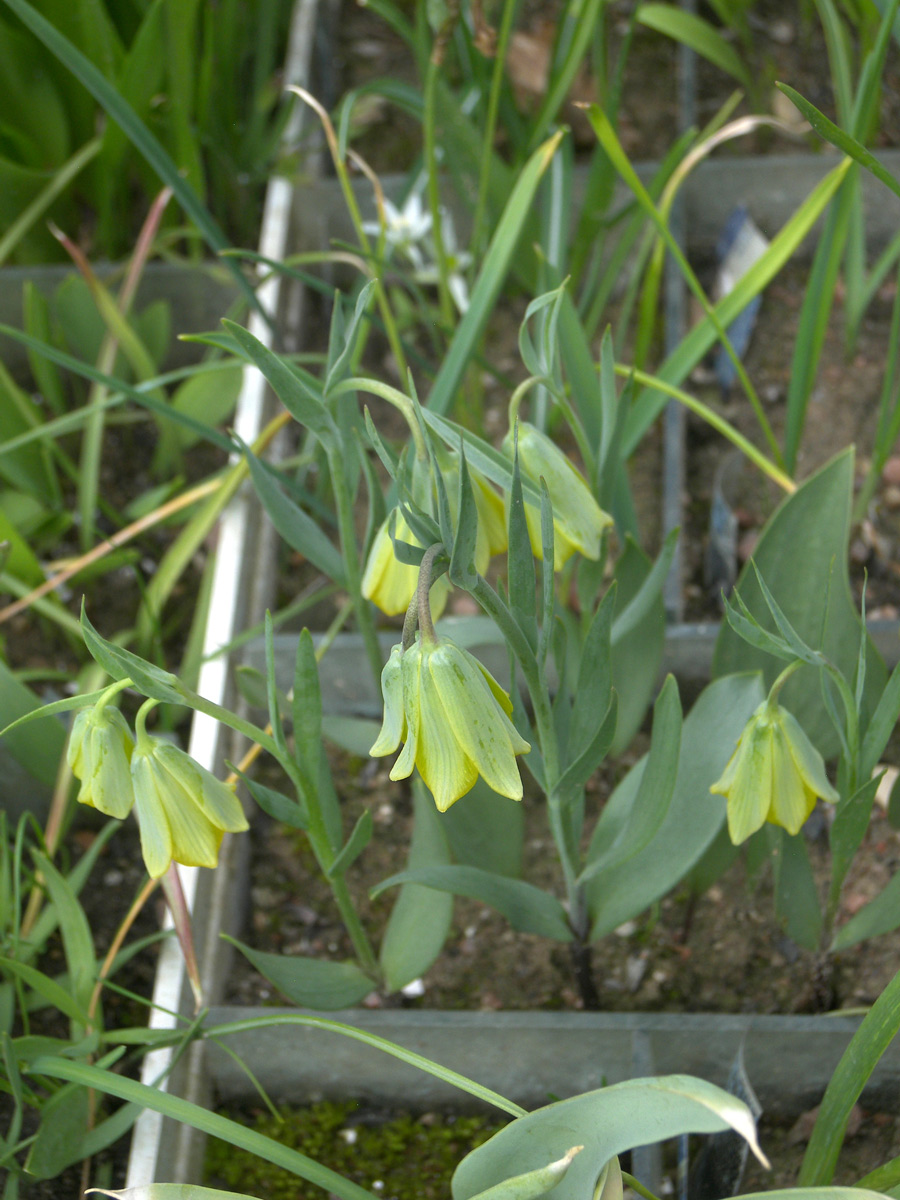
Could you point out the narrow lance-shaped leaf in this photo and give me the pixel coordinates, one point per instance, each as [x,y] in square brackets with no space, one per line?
[878,1029]
[295,526]
[359,838]
[293,392]
[462,558]
[490,279]
[122,664]
[420,919]
[197,1117]
[838,137]
[526,907]
[312,982]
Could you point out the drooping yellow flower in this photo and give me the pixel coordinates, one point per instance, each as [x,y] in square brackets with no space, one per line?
[454,719]
[775,774]
[390,583]
[578,520]
[183,810]
[99,753]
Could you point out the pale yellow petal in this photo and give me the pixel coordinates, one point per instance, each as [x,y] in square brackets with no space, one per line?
[751,788]
[393,726]
[808,760]
[443,763]
[156,840]
[792,801]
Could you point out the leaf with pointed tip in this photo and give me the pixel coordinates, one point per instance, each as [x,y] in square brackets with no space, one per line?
[420,919]
[312,982]
[153,681]
[297,396]
[802,554]
[606,1122]
[526,907]
[295,526]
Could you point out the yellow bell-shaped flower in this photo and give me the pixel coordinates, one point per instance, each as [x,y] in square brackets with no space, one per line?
[99,753]
[183,810]
[390,583]
[775,774]
[454,719]
[578,520]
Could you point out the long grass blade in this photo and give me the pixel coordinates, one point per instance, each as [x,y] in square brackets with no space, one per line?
[490,278]
[45,198]
[685,357]
[186,1113]
[141,137]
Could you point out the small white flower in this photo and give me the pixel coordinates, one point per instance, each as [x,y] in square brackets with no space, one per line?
[404,228]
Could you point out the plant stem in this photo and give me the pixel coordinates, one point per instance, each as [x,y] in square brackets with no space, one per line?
[543,715]
[325,856]
[365,619]
[434,196]
[340,168]
[490,124]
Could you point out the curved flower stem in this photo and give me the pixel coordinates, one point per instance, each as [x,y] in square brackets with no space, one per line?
[393,396]
[713,419]
[340,169]
[426,579]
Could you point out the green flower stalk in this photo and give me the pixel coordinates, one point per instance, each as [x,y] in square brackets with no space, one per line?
[578,520]
[99,753]
[775,773]
[183,810]
[454,719]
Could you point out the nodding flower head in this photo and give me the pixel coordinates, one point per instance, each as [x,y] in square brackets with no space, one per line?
[454,719]
[390,583]
[99,753]
[578,520]
[775,774]
[183,810]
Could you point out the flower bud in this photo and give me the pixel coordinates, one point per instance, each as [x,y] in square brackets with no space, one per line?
[183,810]
[454,719]
[775,774]
[99,753]
[578,520]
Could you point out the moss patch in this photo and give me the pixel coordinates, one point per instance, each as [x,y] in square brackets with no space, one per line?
[403,1157]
